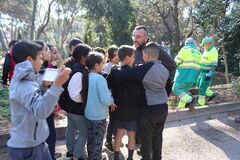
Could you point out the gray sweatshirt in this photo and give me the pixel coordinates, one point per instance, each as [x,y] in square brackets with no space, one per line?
[29,108]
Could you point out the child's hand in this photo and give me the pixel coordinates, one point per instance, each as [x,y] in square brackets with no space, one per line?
[62,76]
[46,84]
[113,107]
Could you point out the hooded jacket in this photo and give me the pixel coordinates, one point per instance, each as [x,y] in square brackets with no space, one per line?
[29,108]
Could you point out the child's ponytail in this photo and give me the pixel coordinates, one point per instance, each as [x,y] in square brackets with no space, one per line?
[84,91]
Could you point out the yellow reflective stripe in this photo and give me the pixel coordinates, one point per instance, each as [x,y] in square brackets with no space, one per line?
[205,67]
[182,95]
[190,63]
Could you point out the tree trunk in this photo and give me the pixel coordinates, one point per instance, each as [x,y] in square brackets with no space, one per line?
[33,19]
[177,37]
[45,21]
[4,48]
[225,63]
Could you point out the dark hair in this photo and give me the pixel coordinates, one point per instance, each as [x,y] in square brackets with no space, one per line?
[22,49]
[80,51]
[12,42]
[50,46]
[152,49]
[45,63]
[124,51]
[142,27]
[40,42]
[111,51]
[100,50]
[92,59]
[74,42]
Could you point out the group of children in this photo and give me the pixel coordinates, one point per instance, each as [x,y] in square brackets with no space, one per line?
[90,89]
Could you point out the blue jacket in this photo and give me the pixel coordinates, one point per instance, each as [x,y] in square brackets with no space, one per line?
[29,108]
[99,97]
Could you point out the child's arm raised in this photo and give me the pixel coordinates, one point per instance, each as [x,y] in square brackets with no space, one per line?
[42,106]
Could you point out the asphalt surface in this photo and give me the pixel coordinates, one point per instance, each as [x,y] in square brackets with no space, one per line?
[209,137]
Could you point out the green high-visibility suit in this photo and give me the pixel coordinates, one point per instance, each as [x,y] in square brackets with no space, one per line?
[208,64]
[187,72]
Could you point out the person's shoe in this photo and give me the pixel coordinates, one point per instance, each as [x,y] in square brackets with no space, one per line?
[201,100]
[212,96]
[191,104]
[139,152]
[237,120]
[109,147]
[57,155]
[69,156]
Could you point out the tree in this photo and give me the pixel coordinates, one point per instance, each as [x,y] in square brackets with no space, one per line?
[45,21]
[111,20]
[209,17]
[33,19]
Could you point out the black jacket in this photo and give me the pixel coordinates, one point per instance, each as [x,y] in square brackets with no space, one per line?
[7,65]
[128,96]
[71,106]
[166,60]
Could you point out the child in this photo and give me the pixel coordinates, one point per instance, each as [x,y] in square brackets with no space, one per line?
[153,76]
[51,140]
[125,96]
[97,98]
[29,109]
[72,44]
[76,133]
[54,56]
[8,66]
[113,60]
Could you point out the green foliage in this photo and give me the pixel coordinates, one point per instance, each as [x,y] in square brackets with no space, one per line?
[113,20]
[229,32]
[236,87]
[209,13]
[4,103]
[20,9]
[174,49]
[221,18]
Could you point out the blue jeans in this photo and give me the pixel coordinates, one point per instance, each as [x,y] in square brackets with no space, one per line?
[76,134]
[39,152]
[51,140]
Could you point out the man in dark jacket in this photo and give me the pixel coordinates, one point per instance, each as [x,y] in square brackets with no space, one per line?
[140,38]
[152,116]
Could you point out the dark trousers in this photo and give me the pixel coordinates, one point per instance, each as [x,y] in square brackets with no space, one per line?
[111,128]
[151,135]
[39,152]
[96,131]
[51,140]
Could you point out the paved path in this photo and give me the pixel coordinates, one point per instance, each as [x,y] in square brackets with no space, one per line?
[210,137]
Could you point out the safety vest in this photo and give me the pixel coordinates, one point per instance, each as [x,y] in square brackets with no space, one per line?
[188,58]
[188,65]
[209,59]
